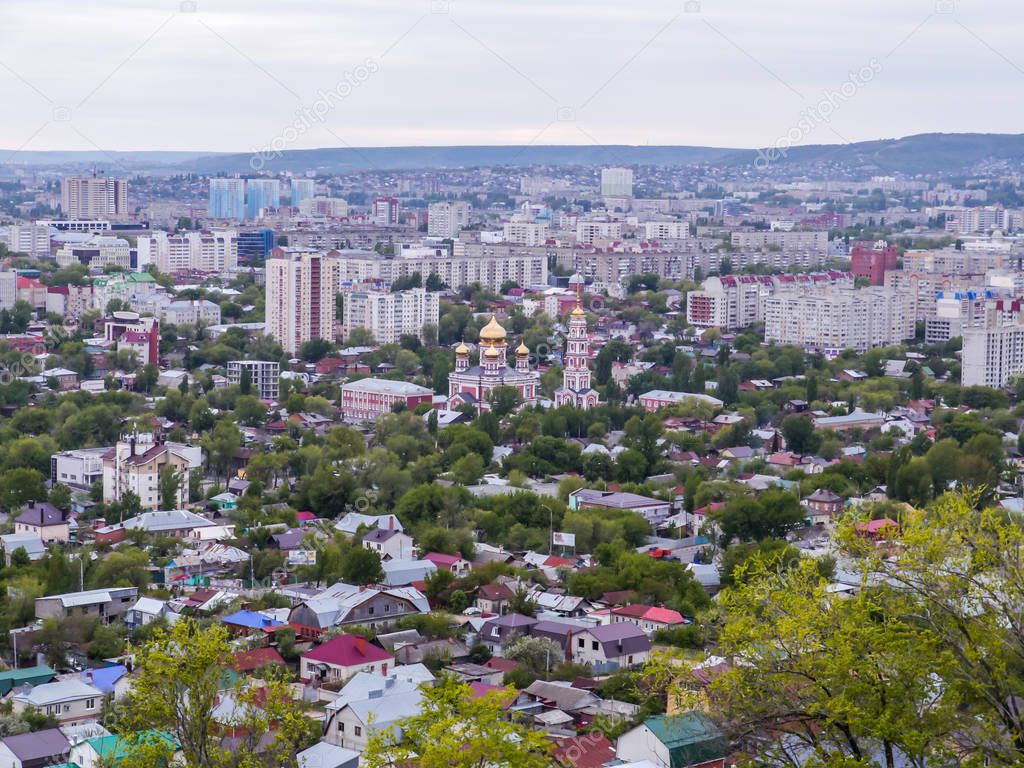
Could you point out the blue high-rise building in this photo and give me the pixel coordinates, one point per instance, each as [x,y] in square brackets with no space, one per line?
[260,194]
[227,198]
[302,189]
[255,245]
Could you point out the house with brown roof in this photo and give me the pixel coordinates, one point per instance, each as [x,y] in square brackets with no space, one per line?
[494,598]
[823,505]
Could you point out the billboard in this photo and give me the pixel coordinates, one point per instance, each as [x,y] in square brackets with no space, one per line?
[302,557]
[560,539]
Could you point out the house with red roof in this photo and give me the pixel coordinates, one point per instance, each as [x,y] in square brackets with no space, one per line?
[340,658]
[246,662]
[650,618]
[454,563]
[494,598]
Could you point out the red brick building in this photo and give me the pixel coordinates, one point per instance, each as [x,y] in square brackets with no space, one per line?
[871,260]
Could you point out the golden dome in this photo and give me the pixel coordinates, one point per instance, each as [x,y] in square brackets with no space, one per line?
[462,349]
[578,312]
[522,349]
[492,331]
[492,352]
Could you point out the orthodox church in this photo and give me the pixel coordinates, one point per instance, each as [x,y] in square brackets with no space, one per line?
[575,389]
[473,385]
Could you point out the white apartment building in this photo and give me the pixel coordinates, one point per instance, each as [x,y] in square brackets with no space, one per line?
[300,297]
[98,251]
[666,230]
[993,354]
[134,464]
[530,233]
[480,265]
[33,239]
[390,315]
[923,289]
[447,219]
[616,182]
[8,289]
[178,311]
[215,251]
[737,301]
[94,197]
[327,207]
[265,376]
[78,469]
[833,320]
[594,229]
[954,313]
[814,240]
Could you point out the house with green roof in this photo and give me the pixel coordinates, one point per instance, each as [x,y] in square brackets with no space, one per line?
[13,678]
[106,751]
[674,741]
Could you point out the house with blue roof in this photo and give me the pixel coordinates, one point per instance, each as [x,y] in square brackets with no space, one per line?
[244,622]
[112,680]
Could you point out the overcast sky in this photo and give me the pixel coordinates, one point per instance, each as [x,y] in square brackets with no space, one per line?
[233,76]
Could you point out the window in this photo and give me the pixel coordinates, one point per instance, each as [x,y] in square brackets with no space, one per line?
[341,727]
[580,642]
[371,610]
[359,731]
[90,703]
[593,645]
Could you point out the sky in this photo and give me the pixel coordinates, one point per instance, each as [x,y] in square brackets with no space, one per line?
[242,76]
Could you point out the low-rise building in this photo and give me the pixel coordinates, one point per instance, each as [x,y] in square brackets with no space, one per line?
[265,376]
[369,399]
[44,520]
[342,657]
[108,605]
[70,701]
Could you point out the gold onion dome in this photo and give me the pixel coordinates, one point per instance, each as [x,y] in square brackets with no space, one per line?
[462,349]
[522,349]
[578,312]
[492,331]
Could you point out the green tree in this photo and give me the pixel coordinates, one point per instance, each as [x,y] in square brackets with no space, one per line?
[168,485]
[454,729]
[800,435]
[362,566]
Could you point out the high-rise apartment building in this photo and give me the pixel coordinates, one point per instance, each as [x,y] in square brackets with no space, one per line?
[385,211]
[227,198]
[598,229]
[616,182]
[302,189]
[873,259]
[215,251]
[448,219]
[94,197]
[329,207]
[261,194]
[833,320]
[300,297]
[390,315]
[993,354]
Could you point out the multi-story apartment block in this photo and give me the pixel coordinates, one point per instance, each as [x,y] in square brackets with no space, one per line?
[872,260]
[922,289]
[385,211]
[215,251]
[954,313]
[447,219]
[302,189]
[837,319]
[489,265]
[993,354]
[737,301]
[666,230]
[135,462]
[227,198]
[98,251]
[94,197]
[589,231]
[528,233]
[300,297]
[793,240]
[329,207]
[264,374]
[261,195]
[388,316]
[33,239]
[616,182]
